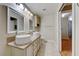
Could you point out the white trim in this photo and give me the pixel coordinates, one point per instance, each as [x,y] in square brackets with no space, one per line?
[59,30]
[73,28]
[7,20]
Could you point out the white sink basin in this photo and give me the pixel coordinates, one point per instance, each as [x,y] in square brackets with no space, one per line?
[37,34]
[22,39]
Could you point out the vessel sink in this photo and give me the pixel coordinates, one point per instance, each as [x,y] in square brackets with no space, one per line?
[22,39]
[36,34]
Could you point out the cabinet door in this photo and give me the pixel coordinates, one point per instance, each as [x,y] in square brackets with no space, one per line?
[17,52]
[35,49]
[36,46]
[39,42]
[30,50]
[22,52]
[37,21]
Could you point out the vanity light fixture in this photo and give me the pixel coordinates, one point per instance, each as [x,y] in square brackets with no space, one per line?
[70,18]
[25,9]
[20,6]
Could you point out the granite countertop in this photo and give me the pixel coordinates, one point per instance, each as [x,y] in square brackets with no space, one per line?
[12,44]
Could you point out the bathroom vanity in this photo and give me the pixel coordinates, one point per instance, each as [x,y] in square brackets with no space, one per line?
[21,22]
[29,49]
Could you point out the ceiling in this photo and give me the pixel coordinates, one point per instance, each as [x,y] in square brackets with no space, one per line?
[66,6]
[43,8]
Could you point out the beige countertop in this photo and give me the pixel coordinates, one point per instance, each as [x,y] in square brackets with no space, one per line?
[12,44]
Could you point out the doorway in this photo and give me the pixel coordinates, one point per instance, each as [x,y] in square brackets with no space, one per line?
[66,30]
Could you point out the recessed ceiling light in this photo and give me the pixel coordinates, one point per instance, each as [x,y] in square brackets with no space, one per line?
[70,18]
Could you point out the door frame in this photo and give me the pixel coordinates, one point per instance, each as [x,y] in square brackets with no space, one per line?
[59,28]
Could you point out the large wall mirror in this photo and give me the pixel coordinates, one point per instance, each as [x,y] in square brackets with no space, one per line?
[19,21]
[31,23]
[15,21]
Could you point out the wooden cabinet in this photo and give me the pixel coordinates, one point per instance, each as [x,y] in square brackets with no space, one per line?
[22,52]
[37,21]
[36,46]
[31,50]
[17,52]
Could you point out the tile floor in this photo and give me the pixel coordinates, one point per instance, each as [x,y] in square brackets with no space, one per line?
[48,49]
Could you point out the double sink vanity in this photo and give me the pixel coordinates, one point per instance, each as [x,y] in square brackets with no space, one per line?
[19,23]
[26,45]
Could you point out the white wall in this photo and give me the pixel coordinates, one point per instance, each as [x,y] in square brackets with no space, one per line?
[48,27]
[49,30]
[4,49]
[64,27]
[76,29]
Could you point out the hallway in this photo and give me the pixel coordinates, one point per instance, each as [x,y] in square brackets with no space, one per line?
[66,47]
